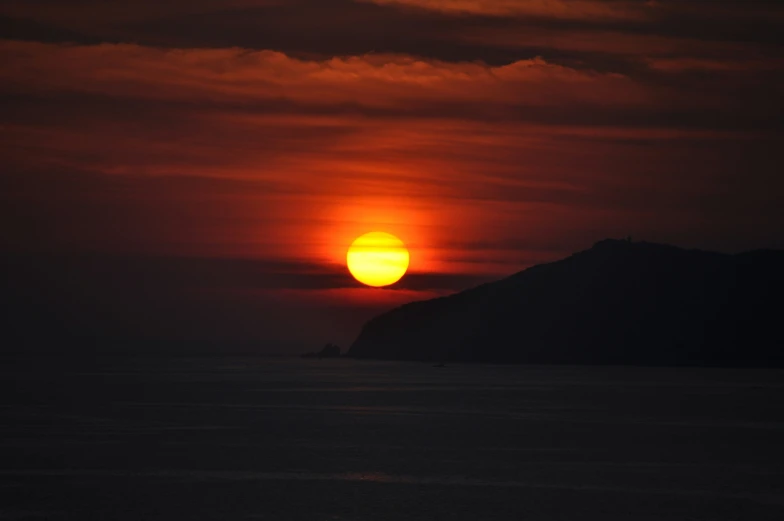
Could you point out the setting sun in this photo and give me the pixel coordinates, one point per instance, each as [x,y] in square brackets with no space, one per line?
[377,259]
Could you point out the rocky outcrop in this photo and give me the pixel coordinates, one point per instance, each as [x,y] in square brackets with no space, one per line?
[328,351]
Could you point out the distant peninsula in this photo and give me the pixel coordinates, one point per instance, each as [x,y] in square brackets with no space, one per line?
[620,302]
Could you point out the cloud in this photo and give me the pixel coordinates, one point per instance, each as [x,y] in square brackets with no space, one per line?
[591,42]
[656,92]
[680,65]
[242,76]
[583,34]
[559,9]
[83,302]
[257,153]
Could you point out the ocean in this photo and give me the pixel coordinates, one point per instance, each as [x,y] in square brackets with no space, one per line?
[291,439]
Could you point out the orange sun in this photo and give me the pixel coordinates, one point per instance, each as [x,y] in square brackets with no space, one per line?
[377,259]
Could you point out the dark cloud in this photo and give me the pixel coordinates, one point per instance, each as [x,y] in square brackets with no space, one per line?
[347,27]
[24,29]
[97,303]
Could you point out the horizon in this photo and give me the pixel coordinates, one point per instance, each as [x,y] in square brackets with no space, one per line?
[88,293]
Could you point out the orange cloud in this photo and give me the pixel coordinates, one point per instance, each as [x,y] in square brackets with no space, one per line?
[242,76]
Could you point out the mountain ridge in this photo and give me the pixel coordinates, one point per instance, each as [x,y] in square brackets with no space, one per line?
[619,302]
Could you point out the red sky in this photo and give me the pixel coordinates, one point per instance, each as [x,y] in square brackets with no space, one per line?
[489,135]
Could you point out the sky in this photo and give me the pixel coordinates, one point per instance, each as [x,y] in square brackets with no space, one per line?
[186,176]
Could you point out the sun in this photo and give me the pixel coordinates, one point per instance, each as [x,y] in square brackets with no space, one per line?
[377,259]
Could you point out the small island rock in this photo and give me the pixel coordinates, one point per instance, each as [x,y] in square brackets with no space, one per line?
[328,351]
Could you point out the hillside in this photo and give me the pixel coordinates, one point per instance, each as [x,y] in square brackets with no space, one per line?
[616,303]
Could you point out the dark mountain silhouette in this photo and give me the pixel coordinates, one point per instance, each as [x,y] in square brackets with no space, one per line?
[616,303]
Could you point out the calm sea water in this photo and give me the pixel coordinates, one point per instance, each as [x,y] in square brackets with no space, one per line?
[346,440]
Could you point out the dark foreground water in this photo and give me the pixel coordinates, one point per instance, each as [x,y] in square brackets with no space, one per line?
[343,440]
